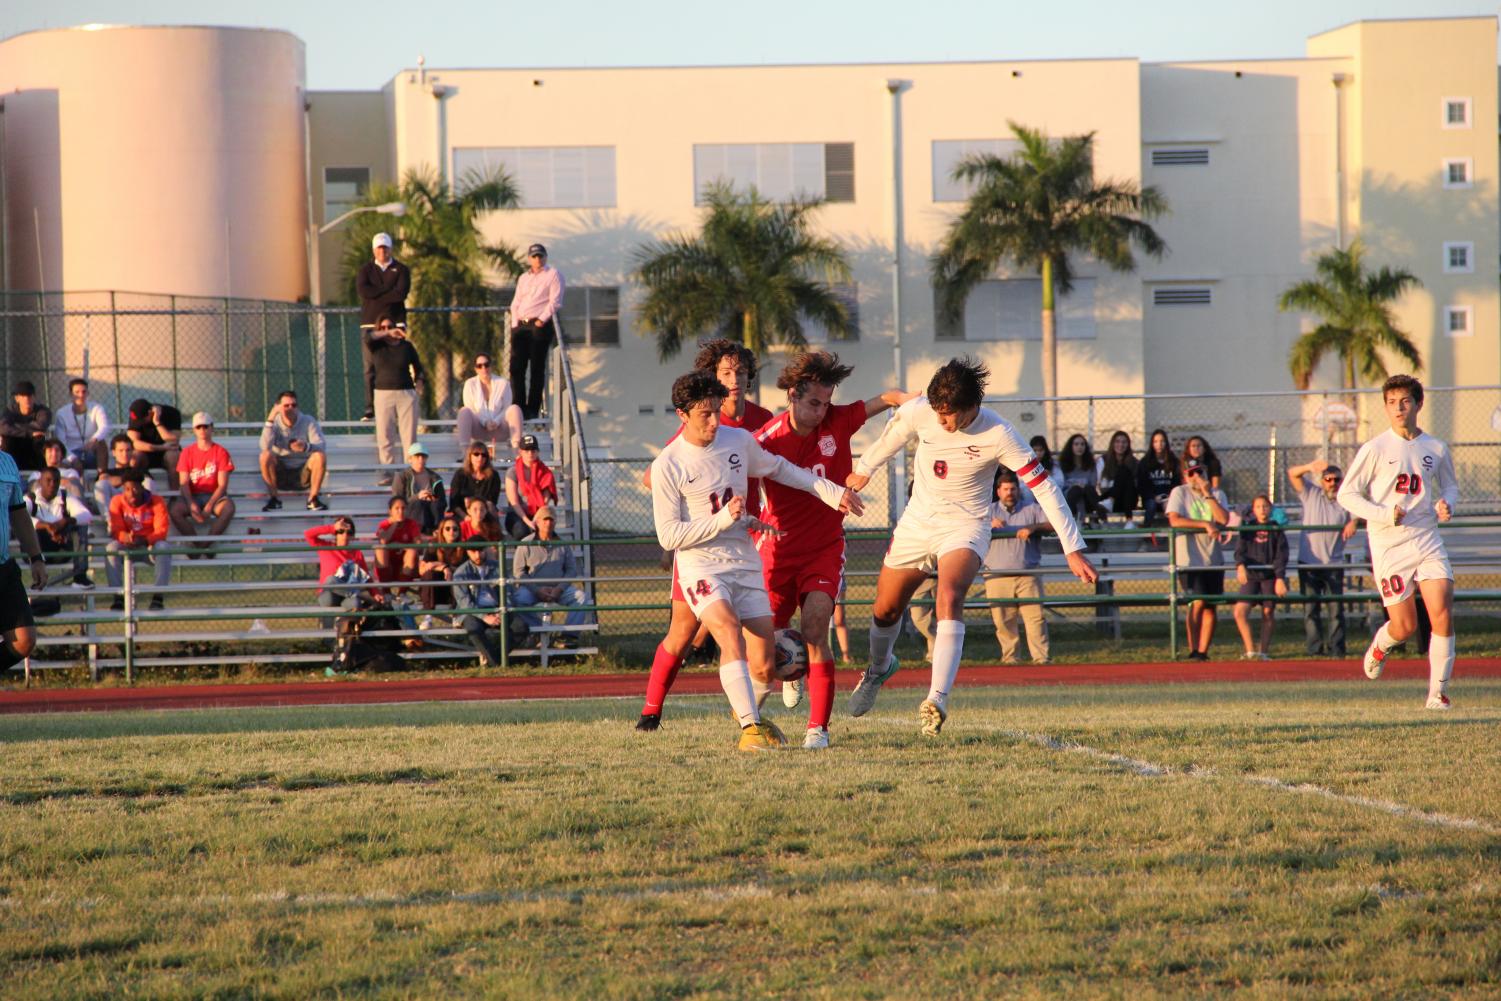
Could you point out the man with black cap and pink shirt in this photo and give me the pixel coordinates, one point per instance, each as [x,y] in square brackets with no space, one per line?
[539,295]
[383,284]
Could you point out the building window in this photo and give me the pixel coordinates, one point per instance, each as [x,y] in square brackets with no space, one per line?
[1456,112]
[1459,258]
[847,293]
[1458,171]
[1011,310]
[546,177]
[1182,295]
[343,189]
[780,172]
[1459,321]
[591,316]
[946,156]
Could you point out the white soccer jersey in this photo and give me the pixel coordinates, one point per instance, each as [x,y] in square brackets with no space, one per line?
[691,486]
[956,469]
[1391,472]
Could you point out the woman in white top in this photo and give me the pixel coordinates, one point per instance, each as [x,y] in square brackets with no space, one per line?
[488,414]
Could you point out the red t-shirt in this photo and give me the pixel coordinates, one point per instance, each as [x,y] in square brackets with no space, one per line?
[199,467]
[809,524]
[755,415]
[535,484]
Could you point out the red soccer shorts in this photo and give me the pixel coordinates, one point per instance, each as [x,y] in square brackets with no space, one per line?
[791,575]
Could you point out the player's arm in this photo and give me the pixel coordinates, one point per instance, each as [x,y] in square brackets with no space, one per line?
[894,437]
[1446,486]
[1354,491]
[1017,456]
[673,531]
[762,464]
[887,400]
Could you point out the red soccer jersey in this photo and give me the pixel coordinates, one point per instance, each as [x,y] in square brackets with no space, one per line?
[200,467]
[808,524]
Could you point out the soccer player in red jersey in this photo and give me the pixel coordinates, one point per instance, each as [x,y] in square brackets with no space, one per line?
[734,365]
[804,565]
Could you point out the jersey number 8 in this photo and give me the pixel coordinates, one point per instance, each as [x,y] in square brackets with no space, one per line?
[940,468]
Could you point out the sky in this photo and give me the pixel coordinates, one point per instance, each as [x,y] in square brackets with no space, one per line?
[360,46]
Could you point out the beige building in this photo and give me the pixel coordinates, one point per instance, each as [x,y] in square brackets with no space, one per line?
[1382,131]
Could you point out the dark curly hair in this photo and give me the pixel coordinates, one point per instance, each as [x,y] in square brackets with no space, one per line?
[958,385]
[694,388]
[1413,387]
[821,367]
[710,353]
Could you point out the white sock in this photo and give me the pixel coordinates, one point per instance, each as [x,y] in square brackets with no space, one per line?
[948,646]
[882,639]
[762,689]
[1440,663]
[735,679]
[1384,641]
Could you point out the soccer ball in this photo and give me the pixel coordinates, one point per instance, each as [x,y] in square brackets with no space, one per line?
[790,658]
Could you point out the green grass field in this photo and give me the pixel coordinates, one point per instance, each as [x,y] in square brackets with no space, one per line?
[1268,841]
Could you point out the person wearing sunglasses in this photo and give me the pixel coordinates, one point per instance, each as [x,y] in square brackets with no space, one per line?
[1321,555]
[1201,574]
[342,569]
[489,413]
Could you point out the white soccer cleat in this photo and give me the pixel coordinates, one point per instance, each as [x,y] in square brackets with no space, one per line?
[1438,701]
[931,715]
[816,739]
[1375,660]
[792,693]
[863,698]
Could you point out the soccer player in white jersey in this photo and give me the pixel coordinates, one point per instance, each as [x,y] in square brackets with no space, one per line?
[946,524]
[1402,483]
[698,487]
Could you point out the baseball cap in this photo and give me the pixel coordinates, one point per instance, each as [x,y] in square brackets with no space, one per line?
[536,250]
[417,448]
[545,511]
[201,418]
[24,388]
[528,442]
[1193,466]
[381,240]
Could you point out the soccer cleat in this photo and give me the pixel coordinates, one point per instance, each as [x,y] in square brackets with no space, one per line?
[792,694]
[931,715]
[863,698]
[1438,701]
[1375,660]
[816,739]
[649,722]
[760,737]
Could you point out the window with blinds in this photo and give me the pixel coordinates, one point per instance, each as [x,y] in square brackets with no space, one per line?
[547,177]
[946,156]
[780,172]
[1011,310]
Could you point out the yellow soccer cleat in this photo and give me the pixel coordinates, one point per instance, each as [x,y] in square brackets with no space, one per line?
[931,715]
[760,737]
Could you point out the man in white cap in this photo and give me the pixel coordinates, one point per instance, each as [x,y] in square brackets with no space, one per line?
[539,295]
[203,471]
[383,285]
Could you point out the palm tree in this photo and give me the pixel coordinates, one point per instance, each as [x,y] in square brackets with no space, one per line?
[1356,310]
[439,240]
[1034,209]
[752,273]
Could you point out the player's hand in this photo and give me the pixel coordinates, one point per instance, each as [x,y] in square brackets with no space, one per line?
[851,503]
[1280,587]
[1082,568]
[1398,514]
[1241,576]
[760,527]
[736,507]
[1348,531]
[1441,508]
[38,575]
[856,481]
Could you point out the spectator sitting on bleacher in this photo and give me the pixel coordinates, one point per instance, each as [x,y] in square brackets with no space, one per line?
[396,565]
[62,524]
[476,585]
[1321,570]
[1156,476]
[137,521]
[54,456]
[529,486]
[477,516]
[1196,449]
[488,413]
[23,427]
[437,565]
[342,570]
[293,455]
[203,471]
[398,387]
[1116,470]
[1044,456]
[84,429]
[422,488]
[547,563]
[111,482]
[1081,478]
[476,477]
[155,431]
[1261,570]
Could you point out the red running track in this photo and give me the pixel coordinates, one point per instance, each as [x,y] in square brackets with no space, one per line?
[317,693]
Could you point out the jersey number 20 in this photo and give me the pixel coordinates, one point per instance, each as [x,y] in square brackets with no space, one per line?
[1409,483]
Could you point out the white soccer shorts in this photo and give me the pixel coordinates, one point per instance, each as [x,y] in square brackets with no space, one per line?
[745,590]
[1399,568]
[918,543]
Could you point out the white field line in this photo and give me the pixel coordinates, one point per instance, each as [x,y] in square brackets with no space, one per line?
[1152,770]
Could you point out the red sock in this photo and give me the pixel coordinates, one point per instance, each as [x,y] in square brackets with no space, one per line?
[664,671]
[820,692]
